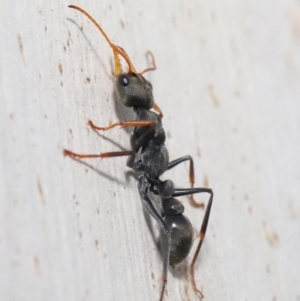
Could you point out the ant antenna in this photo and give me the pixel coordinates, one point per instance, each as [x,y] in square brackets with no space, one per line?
[116,50]
[153,63]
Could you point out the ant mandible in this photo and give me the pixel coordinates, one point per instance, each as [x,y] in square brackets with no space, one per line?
[150,157]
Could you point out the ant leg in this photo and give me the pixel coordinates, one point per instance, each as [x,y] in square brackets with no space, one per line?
[103,155]
[143,188]
[179,192]
[188,191]
[192,176]
[150,208]
[158,109]
[123,124]
[202,235]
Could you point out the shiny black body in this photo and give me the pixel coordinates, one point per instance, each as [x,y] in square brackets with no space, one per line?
[181,237]
[149,156]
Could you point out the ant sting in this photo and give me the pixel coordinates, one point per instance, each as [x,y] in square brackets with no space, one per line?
[150,158]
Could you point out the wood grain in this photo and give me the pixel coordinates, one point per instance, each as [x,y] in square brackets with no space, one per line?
[228,84]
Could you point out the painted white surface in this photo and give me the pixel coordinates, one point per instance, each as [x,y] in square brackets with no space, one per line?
[228,83]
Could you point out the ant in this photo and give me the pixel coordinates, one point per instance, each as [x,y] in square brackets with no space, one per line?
[149,156]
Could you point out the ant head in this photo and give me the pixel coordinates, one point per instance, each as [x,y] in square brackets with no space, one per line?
[134,90]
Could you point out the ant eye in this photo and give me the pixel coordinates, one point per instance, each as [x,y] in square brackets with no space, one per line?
[123,80]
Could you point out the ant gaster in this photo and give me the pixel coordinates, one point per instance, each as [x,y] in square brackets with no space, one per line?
[150,157]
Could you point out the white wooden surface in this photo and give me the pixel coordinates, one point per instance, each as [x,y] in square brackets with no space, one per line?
[228,82]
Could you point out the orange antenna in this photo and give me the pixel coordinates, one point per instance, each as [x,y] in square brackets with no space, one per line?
[128,60]
[116,50]
[153,63]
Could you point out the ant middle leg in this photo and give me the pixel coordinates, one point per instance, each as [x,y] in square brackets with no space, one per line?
[123,124]
[181,192]
[191,175]
[102,155]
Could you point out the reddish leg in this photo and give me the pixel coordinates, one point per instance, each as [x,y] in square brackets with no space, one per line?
[201,235]
[153,63]
[123,124]
[158,109]
[103,155]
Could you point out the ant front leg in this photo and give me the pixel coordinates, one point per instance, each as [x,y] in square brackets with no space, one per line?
[192,176]
[123,124]
[181,192]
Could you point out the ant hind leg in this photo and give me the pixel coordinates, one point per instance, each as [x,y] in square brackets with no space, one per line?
[181,192]
[201,235]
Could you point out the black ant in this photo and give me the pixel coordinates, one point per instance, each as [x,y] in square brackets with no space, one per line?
[150,156]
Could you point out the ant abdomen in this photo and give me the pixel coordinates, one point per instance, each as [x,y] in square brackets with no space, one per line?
[181,230]
[181,237]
